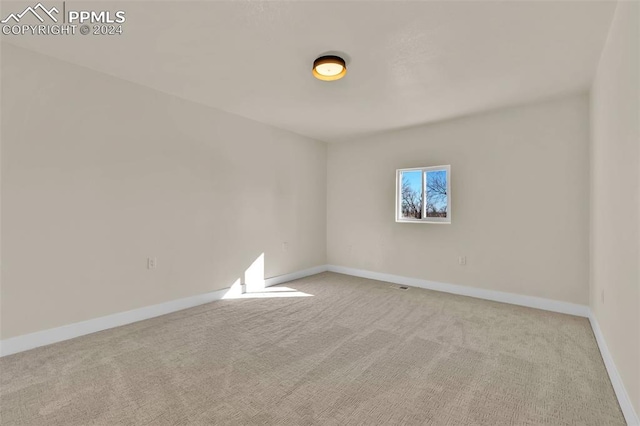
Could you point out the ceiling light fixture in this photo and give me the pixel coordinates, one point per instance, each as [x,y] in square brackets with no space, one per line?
[329,68]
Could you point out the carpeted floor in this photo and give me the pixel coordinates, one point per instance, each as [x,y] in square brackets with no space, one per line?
[357,352]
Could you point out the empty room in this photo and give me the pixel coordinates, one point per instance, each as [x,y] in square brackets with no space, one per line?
[320,212]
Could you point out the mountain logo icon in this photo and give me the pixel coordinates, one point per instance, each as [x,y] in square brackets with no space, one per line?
[38,11]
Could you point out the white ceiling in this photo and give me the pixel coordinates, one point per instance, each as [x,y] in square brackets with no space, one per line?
[408,62]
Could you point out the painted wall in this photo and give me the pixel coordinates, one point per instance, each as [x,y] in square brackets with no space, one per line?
[98,174]
[615,195]
[520,186]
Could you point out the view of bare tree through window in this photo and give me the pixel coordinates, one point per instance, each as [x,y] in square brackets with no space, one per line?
[412,194]
[436,194]
[424,192]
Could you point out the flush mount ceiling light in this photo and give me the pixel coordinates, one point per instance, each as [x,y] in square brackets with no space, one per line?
[329,68]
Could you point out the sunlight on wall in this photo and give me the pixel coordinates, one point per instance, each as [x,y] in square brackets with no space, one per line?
[255,286]
[254,275]
[234,291]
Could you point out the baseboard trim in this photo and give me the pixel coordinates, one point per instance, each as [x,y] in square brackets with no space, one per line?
[496,296]
[54,335]
[295,275]
[626,406]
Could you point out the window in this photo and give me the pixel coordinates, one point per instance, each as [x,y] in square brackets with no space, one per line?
[423,195]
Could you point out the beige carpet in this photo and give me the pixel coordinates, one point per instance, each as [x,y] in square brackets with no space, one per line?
[357,352]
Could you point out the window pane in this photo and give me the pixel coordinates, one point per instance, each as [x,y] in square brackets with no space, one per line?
[411,193]
[437,193]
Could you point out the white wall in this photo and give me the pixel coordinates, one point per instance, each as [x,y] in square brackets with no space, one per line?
[520,188]
[98,174]
[615,195]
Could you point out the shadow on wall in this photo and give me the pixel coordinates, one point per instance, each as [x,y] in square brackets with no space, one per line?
[254,285]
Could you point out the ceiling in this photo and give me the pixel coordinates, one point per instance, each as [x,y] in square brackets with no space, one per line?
[409,63]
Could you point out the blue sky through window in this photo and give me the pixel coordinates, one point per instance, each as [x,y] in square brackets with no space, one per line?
[414,179]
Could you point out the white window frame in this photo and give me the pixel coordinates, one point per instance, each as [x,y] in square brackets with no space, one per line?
[424,170]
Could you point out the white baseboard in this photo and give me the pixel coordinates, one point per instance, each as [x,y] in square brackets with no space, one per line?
[46,337]
[496,296]
[295,275]
[628,411]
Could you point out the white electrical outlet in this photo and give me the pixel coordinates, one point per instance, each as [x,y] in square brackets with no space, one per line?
[152,262]
[602,296]
[285,246]
[462,260]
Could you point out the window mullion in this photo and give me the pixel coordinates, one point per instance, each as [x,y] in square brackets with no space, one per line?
[424,194]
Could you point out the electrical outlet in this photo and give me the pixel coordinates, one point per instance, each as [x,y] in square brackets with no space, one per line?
[285,246]
[152,262]
[602,296]
[462,260]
